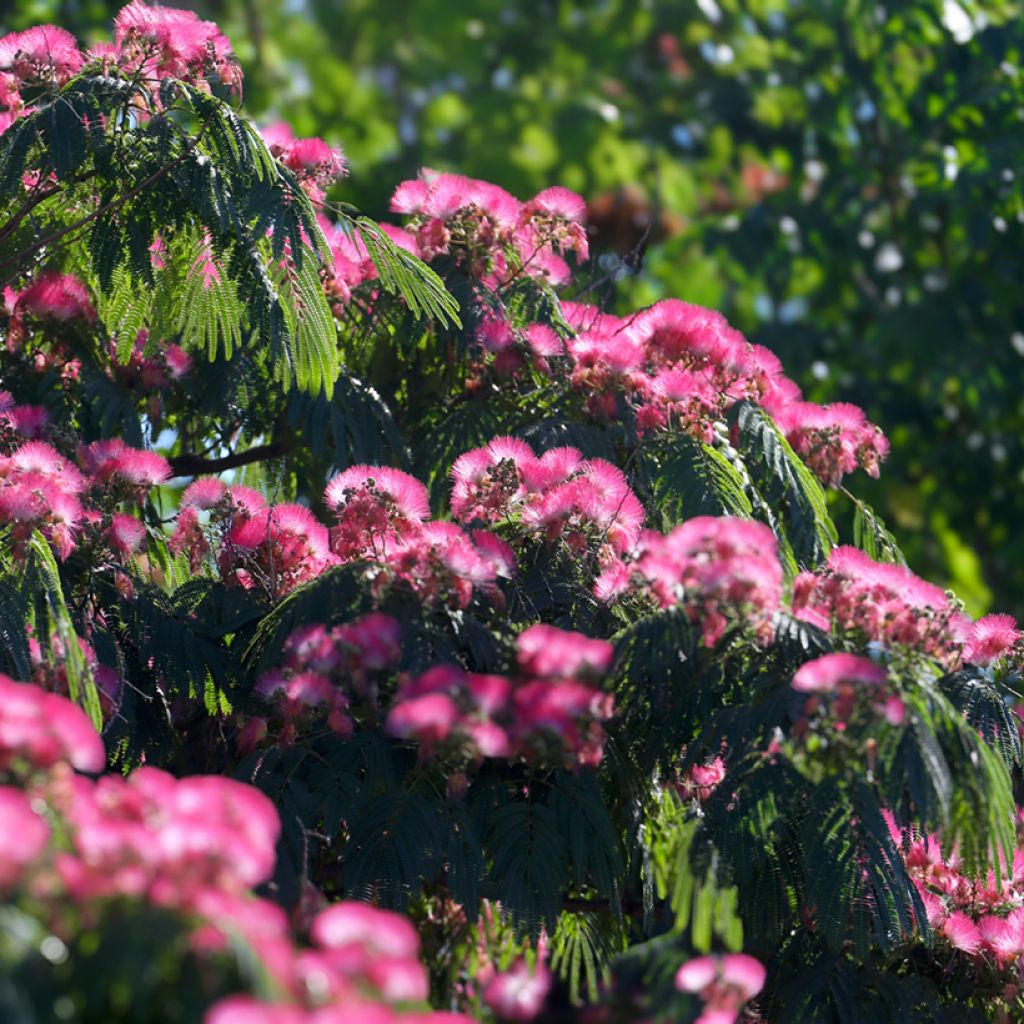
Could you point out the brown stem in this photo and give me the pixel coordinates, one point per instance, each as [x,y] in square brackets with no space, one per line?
[190,464]
[26,208]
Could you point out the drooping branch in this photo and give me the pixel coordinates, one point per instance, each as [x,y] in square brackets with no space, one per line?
[190,464]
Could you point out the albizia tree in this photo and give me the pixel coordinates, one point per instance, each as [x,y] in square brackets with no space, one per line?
[385,628]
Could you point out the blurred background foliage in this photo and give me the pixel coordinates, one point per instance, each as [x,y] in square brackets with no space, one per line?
[841,178]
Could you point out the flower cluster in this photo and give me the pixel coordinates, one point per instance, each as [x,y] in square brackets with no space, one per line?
[165,42]
[840,679]
[550,709]
[682,367]
[475,221]
[39,730]
[44,55]
[992,639]
[981,918]
[41,489]
[149,373]
[586,503]
[196,846]
[833,440]
[519,993]
[363,966]
[316,164]
[162,838]
[884,603]
[381,517]
[724,983]
[717,568]
[701,780]
[324,668]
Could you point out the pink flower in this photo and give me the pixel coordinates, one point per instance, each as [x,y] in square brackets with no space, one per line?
[45,729]
[962,933]
[697,975]
[518,993]
[374,506]
[203,493]
[23,835]
[126,534]
[375,932]
[991,638]
[554,653]
[55,296]
[429,718]
[824,674]
[39,54]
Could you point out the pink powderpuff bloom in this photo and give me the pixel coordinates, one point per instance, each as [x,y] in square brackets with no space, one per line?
[374,506]
[23,835]
[558,202]
[991,638]
[126,534]
[40,53]
[375,932]
[518,993]
[886,603]
[45,728]
[55,296]
[744,974]
[487,483]
[550,653]
[186,47]
[284,544]
[697,975]
[203,493]
[429,719]
[824,674]
[701,780]
[962,933]
[114,460]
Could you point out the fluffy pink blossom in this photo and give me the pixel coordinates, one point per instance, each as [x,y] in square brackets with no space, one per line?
[45,729]
[554,653]
[172,43]
[374,506]
[825,674]
[55,296]
[552,708]
[23,835]
[126,534]
[719,569]
[991,638]
[41,54]
[278,547]
[882,602]
[725,983]
[519,993]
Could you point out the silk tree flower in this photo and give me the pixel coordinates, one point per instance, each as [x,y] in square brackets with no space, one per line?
[519,993]
[585,503]
[991,638]
[114,461]
[172,43]
[374,506]
[724,983]
[316,164]
[43,729]
[23,835]
[551,709]
[277,547]
[884,603]
[847,677]
[720,569]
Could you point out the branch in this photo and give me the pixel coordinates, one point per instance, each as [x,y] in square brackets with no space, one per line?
[191,464]
[26,208]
